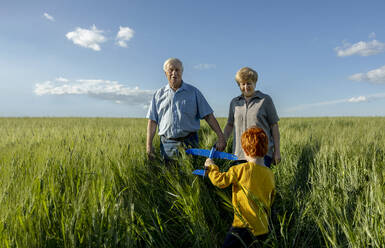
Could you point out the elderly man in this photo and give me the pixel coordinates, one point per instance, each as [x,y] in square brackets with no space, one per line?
[177,109]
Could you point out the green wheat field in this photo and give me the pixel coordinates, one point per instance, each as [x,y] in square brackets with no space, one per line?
[86,182]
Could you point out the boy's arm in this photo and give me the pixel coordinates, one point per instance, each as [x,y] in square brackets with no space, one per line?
[219,179]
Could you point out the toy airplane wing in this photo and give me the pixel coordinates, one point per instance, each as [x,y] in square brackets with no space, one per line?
[199,172]
[215,154]
[224,155]
[203,172]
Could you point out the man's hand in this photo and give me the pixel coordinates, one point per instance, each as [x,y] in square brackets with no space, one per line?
[151,129]
[150,153]
[221,143]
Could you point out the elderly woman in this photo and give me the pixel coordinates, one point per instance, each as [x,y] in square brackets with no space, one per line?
[253,108]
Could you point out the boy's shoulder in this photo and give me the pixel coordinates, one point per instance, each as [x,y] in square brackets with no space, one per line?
[260,173]
[261,170]
[253,166]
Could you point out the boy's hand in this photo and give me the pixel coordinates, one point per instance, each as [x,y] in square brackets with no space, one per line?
[209,162]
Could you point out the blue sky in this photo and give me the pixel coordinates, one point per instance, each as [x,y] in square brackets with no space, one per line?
[104,58]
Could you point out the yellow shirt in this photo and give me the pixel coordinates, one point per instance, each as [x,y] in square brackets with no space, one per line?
[253,194]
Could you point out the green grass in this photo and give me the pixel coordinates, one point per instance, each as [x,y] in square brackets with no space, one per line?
[85,182]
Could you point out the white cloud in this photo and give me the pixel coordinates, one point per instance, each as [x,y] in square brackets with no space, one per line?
[49,17]
[372,35]
[374,76]
[358,99]
[61,79]
[124,35]
[89,38]
[361,48]
[97,88]
[205,66]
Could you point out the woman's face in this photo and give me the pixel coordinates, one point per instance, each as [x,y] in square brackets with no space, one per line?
[247,88]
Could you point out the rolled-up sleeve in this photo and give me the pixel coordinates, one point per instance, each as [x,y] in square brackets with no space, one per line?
[203,106]
[272,116]
[230,119]
[152,113]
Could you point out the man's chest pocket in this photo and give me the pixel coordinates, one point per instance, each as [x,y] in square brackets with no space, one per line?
[188,106]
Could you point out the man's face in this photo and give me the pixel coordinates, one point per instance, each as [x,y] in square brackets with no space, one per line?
[247,88]
[174,75]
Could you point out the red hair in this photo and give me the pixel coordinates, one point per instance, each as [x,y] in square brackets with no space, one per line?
[254,142]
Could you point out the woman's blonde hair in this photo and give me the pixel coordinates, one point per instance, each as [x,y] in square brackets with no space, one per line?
[246,74]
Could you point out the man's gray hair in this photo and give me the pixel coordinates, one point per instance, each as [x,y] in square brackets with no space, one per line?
[172,61]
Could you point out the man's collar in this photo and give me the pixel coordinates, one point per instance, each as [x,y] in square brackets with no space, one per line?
[182,87]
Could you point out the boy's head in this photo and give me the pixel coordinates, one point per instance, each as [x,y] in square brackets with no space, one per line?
[254,142]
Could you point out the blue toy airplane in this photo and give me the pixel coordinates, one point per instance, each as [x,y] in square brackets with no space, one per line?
[213,153]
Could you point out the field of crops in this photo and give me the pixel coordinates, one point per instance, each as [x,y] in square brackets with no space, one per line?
[73,182]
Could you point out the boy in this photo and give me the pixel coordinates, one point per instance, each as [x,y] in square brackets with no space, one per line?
[252,190]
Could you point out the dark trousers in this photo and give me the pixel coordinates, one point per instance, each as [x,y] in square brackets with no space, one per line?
[267,160]
[241,237]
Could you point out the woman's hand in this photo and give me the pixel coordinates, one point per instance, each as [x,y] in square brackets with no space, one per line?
[276,157]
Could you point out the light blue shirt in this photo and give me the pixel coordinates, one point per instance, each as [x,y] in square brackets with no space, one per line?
[179,112]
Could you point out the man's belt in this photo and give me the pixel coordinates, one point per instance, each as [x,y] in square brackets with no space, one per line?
[183,138]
